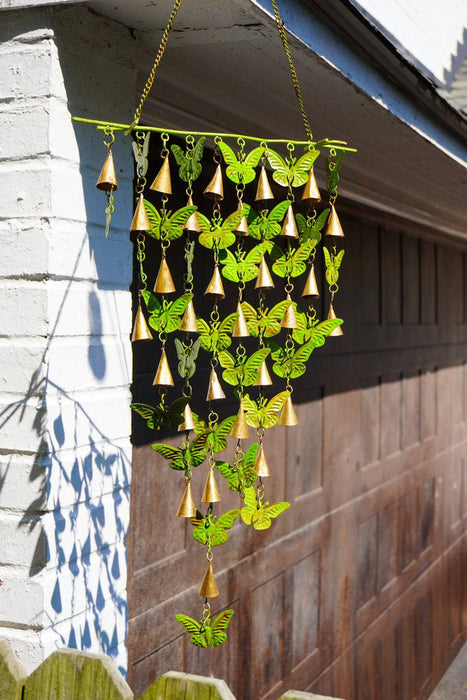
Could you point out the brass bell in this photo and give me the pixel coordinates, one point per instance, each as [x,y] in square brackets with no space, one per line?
[140,329]
[334,227]
[311,287]
[242,227]
[140,220]
[215,390]
[208,588]
[289,319]
[338,329]
[164,282]
[288,415]
[240,427]
[264,378]
[192,223]
[215,189]
[215,288]
[264,279]
[311,191]
[189,323]
[289,225]
[211,492]
[261,465]
[163,375]
[187,508]
[241,328]
[188,420]
[162,182]
[263,190]
[107,180]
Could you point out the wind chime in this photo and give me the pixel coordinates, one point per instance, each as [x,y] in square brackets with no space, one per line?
[257,247]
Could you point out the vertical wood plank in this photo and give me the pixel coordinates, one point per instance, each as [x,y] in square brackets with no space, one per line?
[12,674]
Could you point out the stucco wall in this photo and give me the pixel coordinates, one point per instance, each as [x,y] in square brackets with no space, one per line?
[65,315]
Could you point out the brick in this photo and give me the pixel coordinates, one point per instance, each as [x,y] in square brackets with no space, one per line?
[22,424]
[23,309]
[26,188]
[31,238]
[22,601]
[25,71]
[23,541]
[23,482]
[19,120]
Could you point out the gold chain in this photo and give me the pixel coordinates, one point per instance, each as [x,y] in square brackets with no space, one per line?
[293,72]
[157,60]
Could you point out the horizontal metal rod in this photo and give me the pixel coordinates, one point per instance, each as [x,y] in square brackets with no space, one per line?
[325,143]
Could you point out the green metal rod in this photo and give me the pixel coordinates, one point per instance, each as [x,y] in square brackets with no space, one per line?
[325,143]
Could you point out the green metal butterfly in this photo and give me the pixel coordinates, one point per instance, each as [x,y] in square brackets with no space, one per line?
[217,233]
[216,437]
[217,335]
[267,224]
[292,364]
[260,514]
[165,316]
[310,230]
[166,225]
[242,371]
[333,172]
[262,413]
[290,262]
[203,634]
[241,266]
[241,168]
[141,155]
[264,322]
[187,355]
[310,329]
[241,474]
[333,263]
[291,171]
[189,165]
[185,458]
[162,416]
[212,528]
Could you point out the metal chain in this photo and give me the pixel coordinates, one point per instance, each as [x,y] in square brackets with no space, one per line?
[157,60]
[293,72]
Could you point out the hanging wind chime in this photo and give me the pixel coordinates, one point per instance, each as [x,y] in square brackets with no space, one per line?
[257,247]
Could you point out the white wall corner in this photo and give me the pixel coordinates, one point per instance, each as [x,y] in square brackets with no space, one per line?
[65,316]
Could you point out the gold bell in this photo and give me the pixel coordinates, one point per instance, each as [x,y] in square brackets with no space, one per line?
[164,282]
[140,329]
[140,219]
[189,323]
[215,288]
[162,182]
[288,415]
[241,328]
[192,223]
[311,191]
[311,288]
[264,378]
[188,420]
[215,390]
[211,492]
[240,427]
[334,227]
[261,465]
[289,226]
[187,508]
[163,375]
[338,329]
[264,279]
[242,228]
[263,190]
[289,319]
[107,180]
[208,588]
[215,189]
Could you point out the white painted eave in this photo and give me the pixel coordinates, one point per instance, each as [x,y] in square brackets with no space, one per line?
[224,70]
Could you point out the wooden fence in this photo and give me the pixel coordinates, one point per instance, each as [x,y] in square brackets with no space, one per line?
[69,674]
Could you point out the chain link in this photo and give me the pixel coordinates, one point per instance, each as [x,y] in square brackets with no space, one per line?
[293,72]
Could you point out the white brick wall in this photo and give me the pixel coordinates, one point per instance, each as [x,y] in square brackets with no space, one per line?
[65,314]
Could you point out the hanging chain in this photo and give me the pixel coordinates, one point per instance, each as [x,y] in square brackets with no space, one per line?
[293,72]
[157,60]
